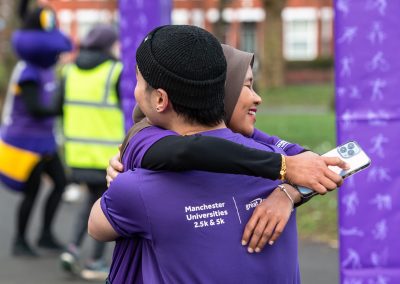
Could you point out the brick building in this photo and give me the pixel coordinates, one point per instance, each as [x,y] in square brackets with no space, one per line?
[307,24]
[76,17]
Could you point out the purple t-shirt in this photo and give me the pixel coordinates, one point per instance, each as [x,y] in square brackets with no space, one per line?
[20,128]
[140,143]
[188,227]
[290,149]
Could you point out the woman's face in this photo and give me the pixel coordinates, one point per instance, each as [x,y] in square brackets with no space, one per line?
[244,115]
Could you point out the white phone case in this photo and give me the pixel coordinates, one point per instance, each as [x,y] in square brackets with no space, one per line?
[353,155]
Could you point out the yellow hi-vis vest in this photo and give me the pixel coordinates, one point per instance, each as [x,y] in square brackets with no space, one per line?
[93,121]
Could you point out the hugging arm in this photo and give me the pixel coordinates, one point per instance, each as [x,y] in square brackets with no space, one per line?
[99,227]
[218,155]
[290,149]
[304,167]
[270,217]
[179,153]
[120,212]
[206,153]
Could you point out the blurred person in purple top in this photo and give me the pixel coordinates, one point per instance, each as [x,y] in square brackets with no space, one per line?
[27,137]
[188,226]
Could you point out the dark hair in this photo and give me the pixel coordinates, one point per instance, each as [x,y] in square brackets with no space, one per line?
[211,116]
[148,88]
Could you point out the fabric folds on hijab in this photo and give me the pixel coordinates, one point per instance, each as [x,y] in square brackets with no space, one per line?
[237,64]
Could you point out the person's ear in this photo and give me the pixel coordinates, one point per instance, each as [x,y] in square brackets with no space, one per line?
[162,100]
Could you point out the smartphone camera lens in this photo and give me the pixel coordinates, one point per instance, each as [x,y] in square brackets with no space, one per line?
[350,145]
[351,152]
[343,149]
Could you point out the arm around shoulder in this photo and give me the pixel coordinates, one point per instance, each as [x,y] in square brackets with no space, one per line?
[207,153]
[99,227]
[289,147]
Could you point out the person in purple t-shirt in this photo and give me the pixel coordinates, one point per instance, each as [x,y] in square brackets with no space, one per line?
[188,225]
[178,153]
[28,121]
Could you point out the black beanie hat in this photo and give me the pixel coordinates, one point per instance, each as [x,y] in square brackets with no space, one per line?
[187,62]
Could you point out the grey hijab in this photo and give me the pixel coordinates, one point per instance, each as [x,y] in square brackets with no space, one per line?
[237,64]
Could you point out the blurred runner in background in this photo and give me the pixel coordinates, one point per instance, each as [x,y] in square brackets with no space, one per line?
[93,129]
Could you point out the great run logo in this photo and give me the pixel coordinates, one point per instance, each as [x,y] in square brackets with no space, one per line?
[253,203]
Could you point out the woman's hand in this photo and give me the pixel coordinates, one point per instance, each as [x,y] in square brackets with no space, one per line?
[311,170]
[269,219]
[114,168]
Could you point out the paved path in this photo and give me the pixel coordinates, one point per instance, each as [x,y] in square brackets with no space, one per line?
[318,262]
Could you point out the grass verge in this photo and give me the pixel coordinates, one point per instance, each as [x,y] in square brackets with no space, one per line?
[317,219]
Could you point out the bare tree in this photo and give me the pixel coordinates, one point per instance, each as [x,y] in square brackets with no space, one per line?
[273,65]
[219,31]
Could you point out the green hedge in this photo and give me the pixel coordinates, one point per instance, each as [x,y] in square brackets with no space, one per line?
[319,63]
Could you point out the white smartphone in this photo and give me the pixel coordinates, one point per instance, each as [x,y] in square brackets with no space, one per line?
[352,154]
